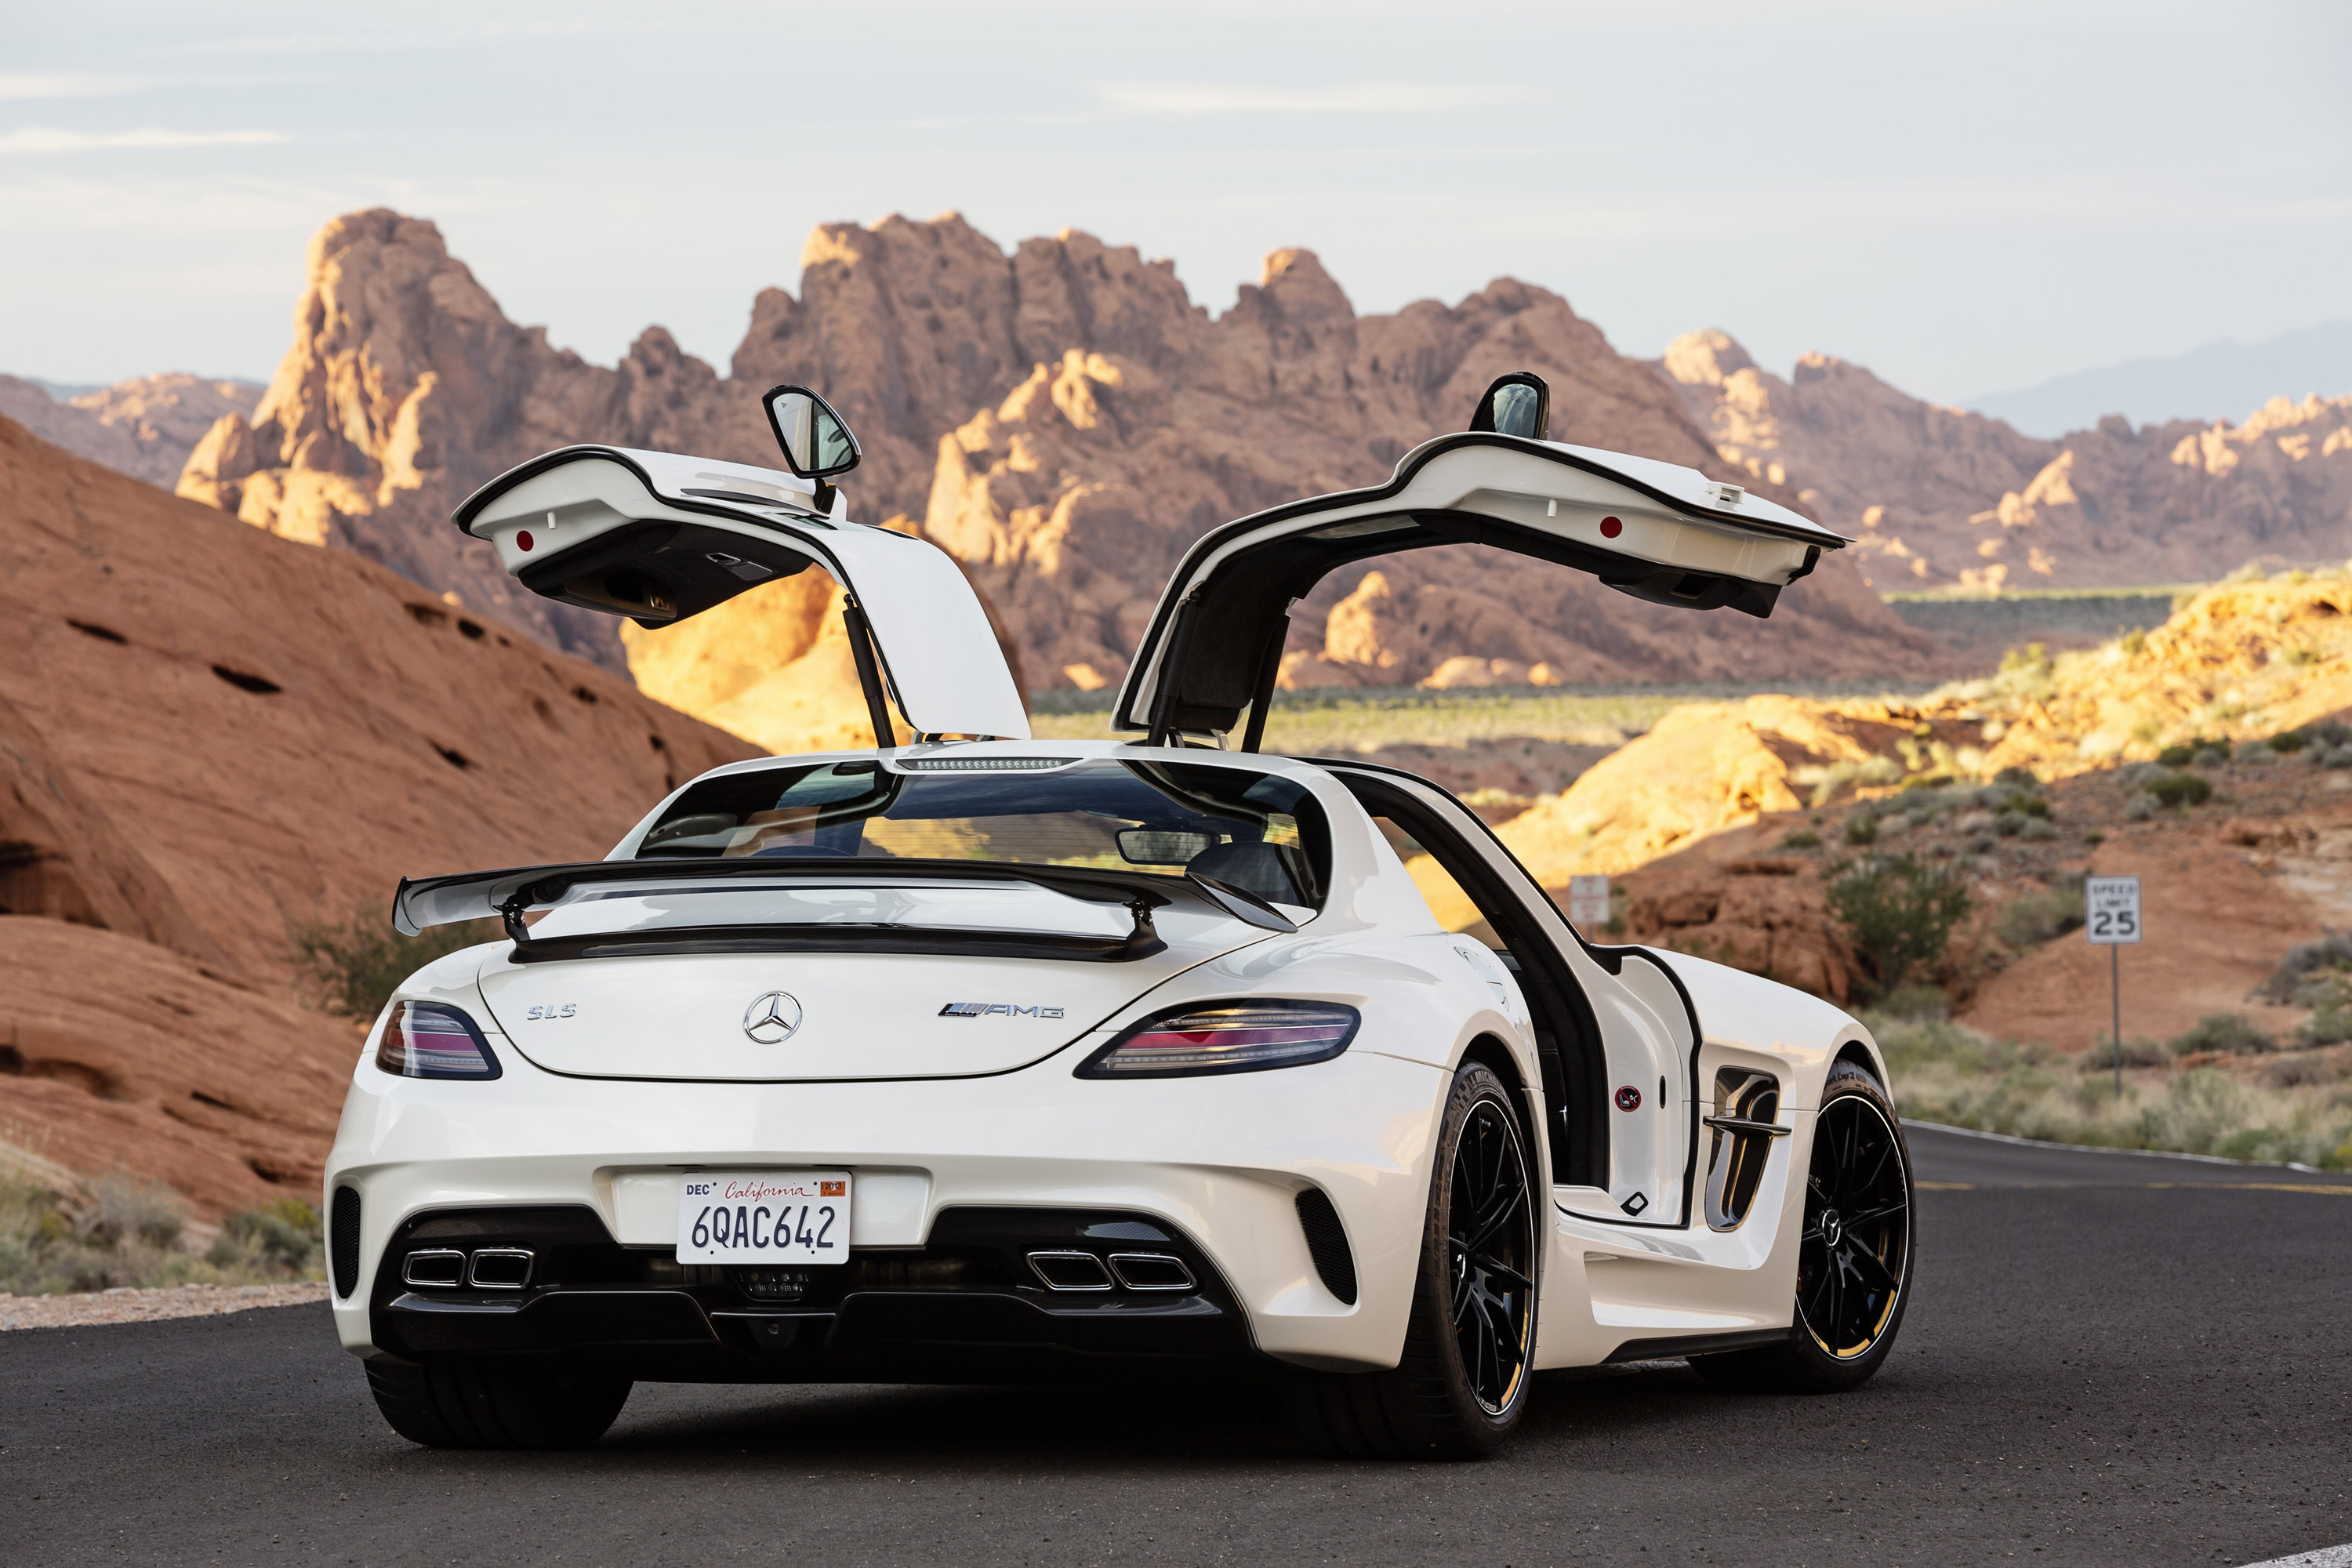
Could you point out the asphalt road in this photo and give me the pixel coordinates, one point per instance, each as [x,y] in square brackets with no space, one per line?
[2109,1359]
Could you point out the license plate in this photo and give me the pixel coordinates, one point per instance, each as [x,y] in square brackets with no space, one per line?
[763,1217]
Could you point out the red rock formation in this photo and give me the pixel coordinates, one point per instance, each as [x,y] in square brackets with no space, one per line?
[206,733]
[1064,418]
[1942,497]
[145,428]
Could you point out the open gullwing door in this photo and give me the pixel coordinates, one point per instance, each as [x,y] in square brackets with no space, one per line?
[658,537]
[1656,531]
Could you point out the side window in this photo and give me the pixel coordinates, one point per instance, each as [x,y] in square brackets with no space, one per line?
[1454,908]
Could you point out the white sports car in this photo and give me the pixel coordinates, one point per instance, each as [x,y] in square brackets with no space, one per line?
[986,1059]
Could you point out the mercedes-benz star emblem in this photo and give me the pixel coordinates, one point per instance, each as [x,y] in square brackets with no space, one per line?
[771,1018]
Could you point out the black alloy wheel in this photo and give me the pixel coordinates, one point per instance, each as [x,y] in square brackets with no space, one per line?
[1490,1256]
[1462,1384]
[1853,1253]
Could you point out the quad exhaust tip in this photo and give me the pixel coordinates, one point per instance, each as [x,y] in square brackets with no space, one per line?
[1130,1270]
[445,1268]
[1070,1270]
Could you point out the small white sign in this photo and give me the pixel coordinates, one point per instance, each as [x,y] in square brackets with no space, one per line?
[1588,901]
[2111,910]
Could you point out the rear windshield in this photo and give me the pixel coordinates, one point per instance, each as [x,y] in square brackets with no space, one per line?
[1264,835]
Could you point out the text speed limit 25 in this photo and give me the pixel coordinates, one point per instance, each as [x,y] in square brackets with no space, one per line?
[2111,914]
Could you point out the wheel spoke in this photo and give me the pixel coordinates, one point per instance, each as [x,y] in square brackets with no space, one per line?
[1499,1270]
[1866,1215]
[1872,1270]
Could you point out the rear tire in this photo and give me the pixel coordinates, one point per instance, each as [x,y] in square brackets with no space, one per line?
[1854,1255]
[492,1406]
[1469,1346]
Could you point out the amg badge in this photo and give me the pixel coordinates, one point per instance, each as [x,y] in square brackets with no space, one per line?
[1001,1009]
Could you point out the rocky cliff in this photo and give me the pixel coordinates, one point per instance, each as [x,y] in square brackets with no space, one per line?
[1062,418]
[144,427]
[205,735]
[1940,497]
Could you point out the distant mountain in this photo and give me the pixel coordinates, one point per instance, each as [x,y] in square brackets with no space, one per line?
[2220,381]
[1940,497]
[1060,417]
[144,427]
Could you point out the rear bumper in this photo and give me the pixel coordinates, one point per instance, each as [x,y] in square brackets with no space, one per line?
[1216,1164]
[967,1307]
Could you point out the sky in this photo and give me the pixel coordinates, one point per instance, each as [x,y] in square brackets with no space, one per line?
[1967,198]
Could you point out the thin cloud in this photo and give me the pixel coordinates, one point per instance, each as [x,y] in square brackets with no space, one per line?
[14,88]
[1362,98]
[36,139]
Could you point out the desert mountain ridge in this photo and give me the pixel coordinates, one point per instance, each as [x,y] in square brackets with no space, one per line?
[144,427]
[1940,497]
[1061,417]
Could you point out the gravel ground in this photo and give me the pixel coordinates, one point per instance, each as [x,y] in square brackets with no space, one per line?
[126,1305]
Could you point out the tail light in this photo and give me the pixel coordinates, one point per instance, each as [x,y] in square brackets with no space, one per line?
[433,1039]
[1226,1038]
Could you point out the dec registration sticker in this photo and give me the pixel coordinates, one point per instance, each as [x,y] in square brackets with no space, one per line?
[763,1217]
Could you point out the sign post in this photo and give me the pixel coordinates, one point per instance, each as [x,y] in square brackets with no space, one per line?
[2110,918]
[1588,901]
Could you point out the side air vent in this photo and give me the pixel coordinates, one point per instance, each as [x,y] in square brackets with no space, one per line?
[343,1240]
[1744,1126]
[1326,1243]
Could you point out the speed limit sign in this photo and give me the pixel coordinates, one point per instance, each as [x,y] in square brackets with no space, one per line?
[2111,910]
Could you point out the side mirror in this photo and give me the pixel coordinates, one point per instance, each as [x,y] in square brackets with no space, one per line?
[1518,403]
[816,444]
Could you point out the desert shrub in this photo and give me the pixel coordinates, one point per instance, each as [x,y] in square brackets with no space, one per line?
[2287,742]
[1803,838]
[1899,912]
[1862,829]
[2209,757]
[2038,830]
[2036,918]
[2133,642]
[2009,823]
[119,1209]
[2309,972]
[2016,777]
[2302,1068]
[2139,1052]
[2330,1024]
[2230,1034]
[2332,756]
[2140,808]
[1911,1003]
[2177,790]
[281,1236]
[2176,756]
[2330,731]
[353,968]
[2094,838]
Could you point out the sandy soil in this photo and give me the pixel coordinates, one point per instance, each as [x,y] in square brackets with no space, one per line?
[126,1305]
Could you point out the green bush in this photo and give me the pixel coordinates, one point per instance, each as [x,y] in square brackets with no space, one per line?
[1899,912]
[353,968]
[2176,756]
[2288,742]
[2230,1034]
[2036,918]
[283,1235]
[2180,790]
[1803,838]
